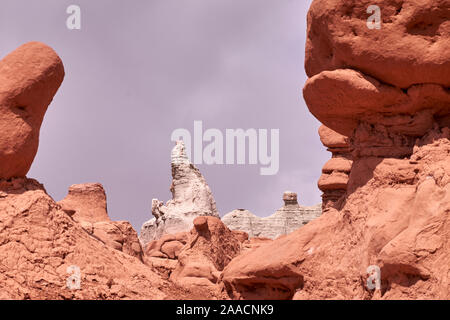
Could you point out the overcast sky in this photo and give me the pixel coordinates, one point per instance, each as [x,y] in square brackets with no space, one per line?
[138,70]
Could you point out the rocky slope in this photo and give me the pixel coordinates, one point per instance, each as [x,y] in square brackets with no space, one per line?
[86,204]
[392,107]
[39,242]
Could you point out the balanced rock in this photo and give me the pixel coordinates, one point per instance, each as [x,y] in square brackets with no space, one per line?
[86,204]
[287,219]
[29,78]
[191,197]
[393,106]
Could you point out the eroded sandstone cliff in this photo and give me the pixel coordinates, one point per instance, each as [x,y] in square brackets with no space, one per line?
[287,219]
[386,92]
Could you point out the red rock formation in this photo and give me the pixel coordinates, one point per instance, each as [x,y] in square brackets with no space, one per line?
[210,247]
[86,203]
[396,218]
[394,214]
[69,250]
[29,78]
[167,247]
[334,179]
[38,242]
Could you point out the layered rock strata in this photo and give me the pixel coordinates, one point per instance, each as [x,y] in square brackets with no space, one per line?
[284,221]
[191,197]
[334,179]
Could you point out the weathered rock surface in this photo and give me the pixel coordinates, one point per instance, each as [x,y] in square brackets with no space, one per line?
[288,218]
[86,203]
[168,246]
[39,241]
[394,213]
[191,197]
[334,179]
[408,112]
[411,47]
[210,247]
[195,259]
[29,78]
[396,217]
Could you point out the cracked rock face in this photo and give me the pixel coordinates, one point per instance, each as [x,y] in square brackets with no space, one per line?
[191,197]
[29,78]
[366,100]
[288,218]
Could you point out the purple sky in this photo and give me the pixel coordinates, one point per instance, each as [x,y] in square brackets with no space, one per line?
[137,70]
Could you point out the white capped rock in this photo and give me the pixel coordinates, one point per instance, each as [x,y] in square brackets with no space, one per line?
[287,219]
[191,197]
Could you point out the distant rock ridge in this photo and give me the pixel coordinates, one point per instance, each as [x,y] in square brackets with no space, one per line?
[287,219]
[191,197]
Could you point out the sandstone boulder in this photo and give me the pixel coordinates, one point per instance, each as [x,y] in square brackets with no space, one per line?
[410,48]
[168,246]
[29,78]
[210,247]
[341,99]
